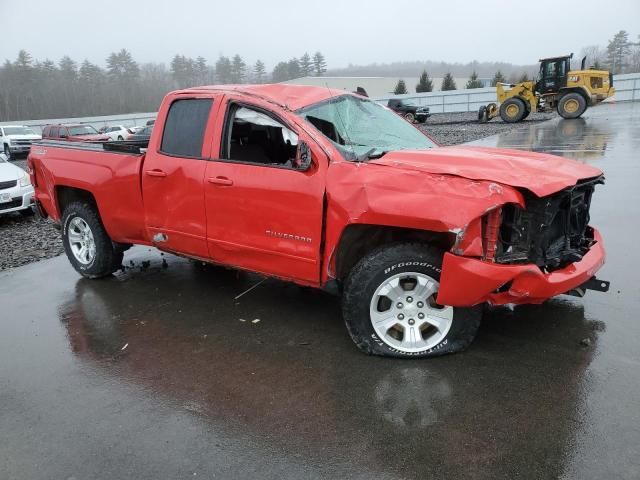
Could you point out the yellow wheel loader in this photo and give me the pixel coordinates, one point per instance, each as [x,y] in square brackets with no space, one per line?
[558,87]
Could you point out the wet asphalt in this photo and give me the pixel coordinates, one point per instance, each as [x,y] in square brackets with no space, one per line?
[159,373]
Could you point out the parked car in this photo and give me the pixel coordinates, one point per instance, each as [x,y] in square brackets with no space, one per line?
[118,132]
[16,191]
[412,113]
[73,133]
[16,139]
[330,190]
[142,135]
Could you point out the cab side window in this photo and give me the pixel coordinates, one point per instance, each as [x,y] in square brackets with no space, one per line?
[54,132]
[253,136]
[184,128]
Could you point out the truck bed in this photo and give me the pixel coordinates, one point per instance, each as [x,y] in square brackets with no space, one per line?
[109,172]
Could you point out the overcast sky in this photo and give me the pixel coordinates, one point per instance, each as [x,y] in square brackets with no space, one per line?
[357,32]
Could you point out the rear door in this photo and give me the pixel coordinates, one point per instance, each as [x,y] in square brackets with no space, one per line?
[262,213]
[173,173]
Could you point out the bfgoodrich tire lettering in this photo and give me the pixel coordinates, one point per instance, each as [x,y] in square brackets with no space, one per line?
[107,257]
[403,261]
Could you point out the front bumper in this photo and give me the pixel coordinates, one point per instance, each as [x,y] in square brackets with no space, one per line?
[19,148]
[468,281]
[21,199]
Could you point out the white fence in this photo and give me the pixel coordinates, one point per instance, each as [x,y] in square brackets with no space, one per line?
[627,90]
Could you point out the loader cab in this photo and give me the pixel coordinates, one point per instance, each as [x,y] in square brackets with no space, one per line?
[553,74]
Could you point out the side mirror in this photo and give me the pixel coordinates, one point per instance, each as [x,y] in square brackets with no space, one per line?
[303,157]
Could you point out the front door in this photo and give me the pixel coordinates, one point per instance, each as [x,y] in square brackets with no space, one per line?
[173,175]
[262,213]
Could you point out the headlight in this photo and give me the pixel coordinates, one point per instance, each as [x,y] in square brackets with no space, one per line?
[25,181]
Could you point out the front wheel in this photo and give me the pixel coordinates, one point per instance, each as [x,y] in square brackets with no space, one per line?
[7,152]
[86,242]
[410,117]
[390,305]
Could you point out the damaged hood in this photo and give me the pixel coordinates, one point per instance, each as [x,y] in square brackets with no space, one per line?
[540,173]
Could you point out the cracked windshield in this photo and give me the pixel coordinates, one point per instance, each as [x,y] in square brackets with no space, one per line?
[362,129]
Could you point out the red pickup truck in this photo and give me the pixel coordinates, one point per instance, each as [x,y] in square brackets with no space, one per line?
[331,190]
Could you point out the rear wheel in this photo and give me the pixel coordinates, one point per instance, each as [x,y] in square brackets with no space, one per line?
[410,117]
[7,152]
[512,110]
[572,105]
[86,242]
[390,308]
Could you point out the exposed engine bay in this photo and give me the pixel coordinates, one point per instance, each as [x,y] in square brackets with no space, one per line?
[551,231]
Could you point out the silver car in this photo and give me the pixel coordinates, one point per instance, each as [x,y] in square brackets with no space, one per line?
[16,191]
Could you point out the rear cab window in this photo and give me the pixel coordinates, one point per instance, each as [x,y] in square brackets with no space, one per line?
[184,129]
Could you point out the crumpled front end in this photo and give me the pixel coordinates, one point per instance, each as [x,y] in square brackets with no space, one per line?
[529,254]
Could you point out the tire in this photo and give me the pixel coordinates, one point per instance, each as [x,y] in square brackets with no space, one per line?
[365,300]
[101,257]
[482,114]
[7,152]
[512,110]
[120,139]
[409,117]
[572,105]
[526,114]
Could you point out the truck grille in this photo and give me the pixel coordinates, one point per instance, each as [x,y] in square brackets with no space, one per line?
[22,142]
[14,203]
[552,231]
[9,184]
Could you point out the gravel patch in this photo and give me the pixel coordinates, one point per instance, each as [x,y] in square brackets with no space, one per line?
[29,239]
[26,239]
[456,128]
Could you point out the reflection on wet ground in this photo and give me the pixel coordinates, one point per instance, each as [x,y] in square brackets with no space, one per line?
[159,373]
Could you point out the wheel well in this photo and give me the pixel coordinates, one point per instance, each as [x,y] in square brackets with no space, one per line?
[581,91]
[358,240]
[66,195]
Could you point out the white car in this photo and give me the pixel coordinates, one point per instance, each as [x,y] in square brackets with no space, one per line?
[16,191]
[117,132]
[16,139]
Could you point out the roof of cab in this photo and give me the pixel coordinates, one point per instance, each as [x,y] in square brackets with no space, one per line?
[289,96]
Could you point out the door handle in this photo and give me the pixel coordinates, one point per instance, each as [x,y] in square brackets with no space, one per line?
[156,173]
[221,181]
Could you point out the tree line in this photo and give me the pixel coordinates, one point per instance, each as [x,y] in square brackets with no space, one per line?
[620,56]
[34,89]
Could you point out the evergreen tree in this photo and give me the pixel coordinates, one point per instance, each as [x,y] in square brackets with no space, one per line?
[498,78]
[306,65]
[448,83]
[201,71]
[617,50]
[293,69]
[223,70]
[401,88]
[424,84]
[68,69]
[259,72]
[474,82]
[238,69]
[319,64]
[280,72]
